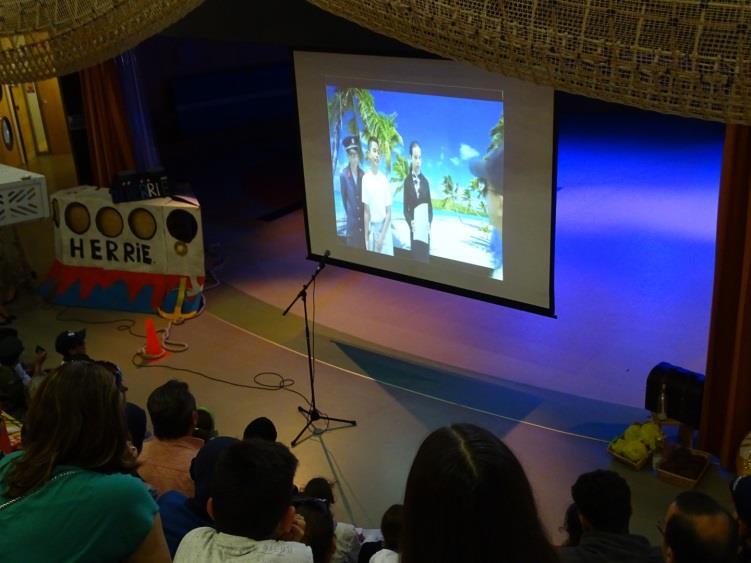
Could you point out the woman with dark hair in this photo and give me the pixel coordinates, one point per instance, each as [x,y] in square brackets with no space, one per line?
[468,499]
[69,495]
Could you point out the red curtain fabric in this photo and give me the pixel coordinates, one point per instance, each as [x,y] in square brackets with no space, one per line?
[726,411]
[107,128]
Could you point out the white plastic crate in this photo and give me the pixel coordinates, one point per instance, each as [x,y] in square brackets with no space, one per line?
[23,196]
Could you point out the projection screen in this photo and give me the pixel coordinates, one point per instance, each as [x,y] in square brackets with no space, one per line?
[431,172]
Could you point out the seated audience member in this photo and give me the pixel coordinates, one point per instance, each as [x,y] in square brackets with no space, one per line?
[181,514]
[391,528]
[165,459]
[603,499]
[699,530]
[468,499]
[205,428]
[135,416]
[368,549]
[71,345]
[251,503]
[741,491]
[13,392]
[572,526]
[347,539]
[262,428]
[319,527]
[70,496]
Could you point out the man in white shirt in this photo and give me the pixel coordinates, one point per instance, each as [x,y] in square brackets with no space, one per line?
[376,199]
[251,504]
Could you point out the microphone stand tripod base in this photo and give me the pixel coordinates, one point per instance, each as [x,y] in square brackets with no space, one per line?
[313,414]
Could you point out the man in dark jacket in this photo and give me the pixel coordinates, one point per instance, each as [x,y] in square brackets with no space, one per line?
[603,499]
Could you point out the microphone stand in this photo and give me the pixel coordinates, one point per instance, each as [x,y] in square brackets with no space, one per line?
[312,414]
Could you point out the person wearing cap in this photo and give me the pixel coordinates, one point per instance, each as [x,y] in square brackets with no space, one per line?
[181,514]
[740,488]
[71,345]
[416,194]
[350,186]
[376,199]
[490,171]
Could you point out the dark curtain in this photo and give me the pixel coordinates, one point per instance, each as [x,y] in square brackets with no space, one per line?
[726,411]
[106,123]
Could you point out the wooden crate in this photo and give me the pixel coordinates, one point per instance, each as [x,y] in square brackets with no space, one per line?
[680,480]
[637,465]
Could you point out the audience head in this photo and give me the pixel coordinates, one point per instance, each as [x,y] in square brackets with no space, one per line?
[699,530]
[202,470]
[603,499]
[70,343]
[251,490]
[468,499]
[116,373]
[319,527]
[75,418]
[262,428]
[205,428]
[11,348]
[392,523]
[173,410]
[318,487]
[572,526]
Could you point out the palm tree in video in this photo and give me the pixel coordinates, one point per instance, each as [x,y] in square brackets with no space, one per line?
[399,172]
[496,135]
[380,126]
[449,190]
[343,105]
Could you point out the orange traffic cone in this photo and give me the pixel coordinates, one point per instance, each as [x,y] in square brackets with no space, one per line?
[153,349]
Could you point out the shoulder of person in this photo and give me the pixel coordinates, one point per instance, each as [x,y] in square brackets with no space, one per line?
[7,459]
[116,487]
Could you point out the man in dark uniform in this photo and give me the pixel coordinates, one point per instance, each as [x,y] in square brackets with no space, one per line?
[417,192]
[350,185]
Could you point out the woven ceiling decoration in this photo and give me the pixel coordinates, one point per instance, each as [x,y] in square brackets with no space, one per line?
[690,58]
[44,38]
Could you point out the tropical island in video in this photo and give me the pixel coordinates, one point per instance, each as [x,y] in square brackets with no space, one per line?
[417,173]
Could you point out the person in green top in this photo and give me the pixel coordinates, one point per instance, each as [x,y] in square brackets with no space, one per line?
[70,494]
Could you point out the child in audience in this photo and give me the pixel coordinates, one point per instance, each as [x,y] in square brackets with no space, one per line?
[572,526]
[391,528]
[319,527]
[251,504]
[69,496]
[181,514]
[469,500]
[262,428]
[348,540]
[205,428]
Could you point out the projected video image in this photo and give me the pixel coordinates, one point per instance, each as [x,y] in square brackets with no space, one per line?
[418,176]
